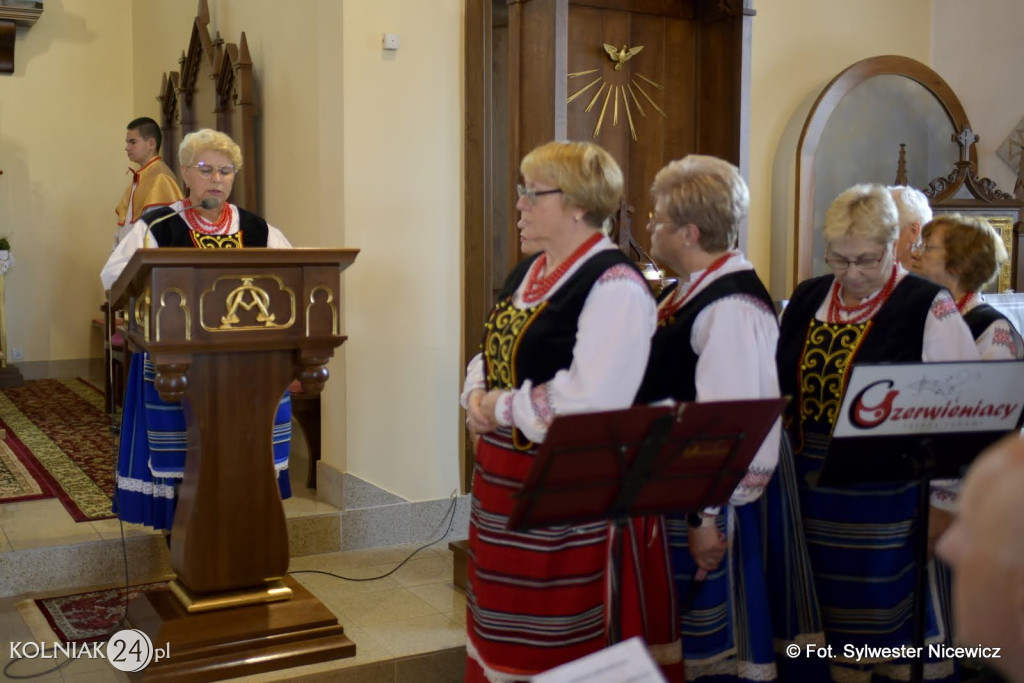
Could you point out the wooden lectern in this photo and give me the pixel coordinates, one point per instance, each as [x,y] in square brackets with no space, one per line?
[227,331]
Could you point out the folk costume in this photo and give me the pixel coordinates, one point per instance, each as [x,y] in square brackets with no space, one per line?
[994,334]
[861,538]
[152,185]
[715,341]
[574,342]
[151,458]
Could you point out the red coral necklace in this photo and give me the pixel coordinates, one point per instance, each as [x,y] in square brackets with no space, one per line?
[860,312]
[537,286]
[200,224]
[962,302]
[671,307]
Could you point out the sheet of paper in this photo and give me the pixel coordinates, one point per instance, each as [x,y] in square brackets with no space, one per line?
[625,662]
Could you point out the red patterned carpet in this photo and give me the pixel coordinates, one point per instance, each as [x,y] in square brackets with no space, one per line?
[62,425]
[20,475]
[88,617]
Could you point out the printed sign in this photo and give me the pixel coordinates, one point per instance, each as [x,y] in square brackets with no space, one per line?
[932,398]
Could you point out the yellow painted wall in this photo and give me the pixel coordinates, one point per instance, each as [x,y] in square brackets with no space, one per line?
[62,118]
[798,47]
[403,180]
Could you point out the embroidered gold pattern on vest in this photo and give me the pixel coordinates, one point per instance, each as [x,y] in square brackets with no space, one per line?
[217,241]
[824,367]
[504,329]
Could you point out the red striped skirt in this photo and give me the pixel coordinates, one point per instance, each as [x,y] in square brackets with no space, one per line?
[539,598]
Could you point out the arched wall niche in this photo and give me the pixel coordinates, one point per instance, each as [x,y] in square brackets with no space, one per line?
[853,134]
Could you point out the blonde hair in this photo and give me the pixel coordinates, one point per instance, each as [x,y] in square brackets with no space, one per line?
[706,191]
[866,211]
[912,205]
[206,140]
[587,175]
[974,250]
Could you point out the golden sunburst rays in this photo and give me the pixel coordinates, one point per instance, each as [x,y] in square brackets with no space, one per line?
[626,93]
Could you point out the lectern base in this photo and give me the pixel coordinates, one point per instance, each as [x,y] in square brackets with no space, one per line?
[237,641]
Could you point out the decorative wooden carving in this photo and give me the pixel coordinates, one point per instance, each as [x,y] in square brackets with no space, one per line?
[214,89]
[14,13]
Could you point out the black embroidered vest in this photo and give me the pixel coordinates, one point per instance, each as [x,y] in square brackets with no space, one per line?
[175,232]
[672,366]
[981,317]
[535,343]
[895,334]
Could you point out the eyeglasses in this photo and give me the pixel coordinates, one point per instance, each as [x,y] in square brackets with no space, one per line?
[531,195]
[920,248]
[839,264]
[207,170]
[651,223]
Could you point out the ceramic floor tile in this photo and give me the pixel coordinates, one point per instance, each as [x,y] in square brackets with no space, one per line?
[418,571]
[390,555]
[5,545]
[441,596]
[324,586]
[374,608]
[42,523]
[458,617]
[110,529]
[419,634]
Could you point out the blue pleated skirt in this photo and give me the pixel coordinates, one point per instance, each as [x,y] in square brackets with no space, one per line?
[151,457]
[737,623]
[861,541]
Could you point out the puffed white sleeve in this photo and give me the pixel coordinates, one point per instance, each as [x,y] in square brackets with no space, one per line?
[474,379]
[946,335]
[276,238]
[999,341]
[613,342]
[132,242]
[735,339]
[946,338]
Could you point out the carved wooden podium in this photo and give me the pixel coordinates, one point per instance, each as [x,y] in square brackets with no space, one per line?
[227,331]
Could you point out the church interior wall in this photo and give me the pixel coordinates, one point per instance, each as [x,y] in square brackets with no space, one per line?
[362,148]
[64,168]
[977,49]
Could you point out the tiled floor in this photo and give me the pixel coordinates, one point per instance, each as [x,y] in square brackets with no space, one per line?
[408,626]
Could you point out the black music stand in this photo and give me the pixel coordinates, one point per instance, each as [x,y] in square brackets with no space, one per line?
[641,461]
[912,457]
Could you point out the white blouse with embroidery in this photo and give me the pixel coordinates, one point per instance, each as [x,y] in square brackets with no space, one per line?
[608,361]
[735,339]
[139,237]
[999,341]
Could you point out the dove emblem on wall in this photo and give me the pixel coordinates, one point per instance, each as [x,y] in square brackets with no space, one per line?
[623,55]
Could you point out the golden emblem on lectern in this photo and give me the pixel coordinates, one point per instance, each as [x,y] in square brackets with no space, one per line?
[624,91]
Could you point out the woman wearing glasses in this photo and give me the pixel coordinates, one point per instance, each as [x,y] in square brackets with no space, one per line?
[715,341]
[148,479]
[860,537]
[964,254]
[570,334]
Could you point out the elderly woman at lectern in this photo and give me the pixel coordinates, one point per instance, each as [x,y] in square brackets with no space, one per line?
[570,333]
[151,460]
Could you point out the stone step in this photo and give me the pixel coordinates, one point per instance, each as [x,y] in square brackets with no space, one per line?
[77,566]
